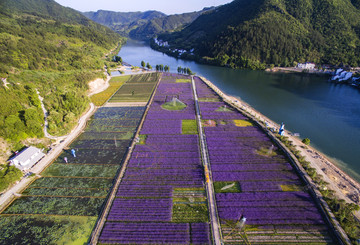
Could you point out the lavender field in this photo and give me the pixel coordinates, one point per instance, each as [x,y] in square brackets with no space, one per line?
[268,193]
[161,199]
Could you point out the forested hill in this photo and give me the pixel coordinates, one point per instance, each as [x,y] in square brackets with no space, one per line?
[123,22]
[165,24]
[255,33]
[51,49]
[143,25]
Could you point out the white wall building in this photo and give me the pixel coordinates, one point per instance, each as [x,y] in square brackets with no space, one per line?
[307,65]
[27,158]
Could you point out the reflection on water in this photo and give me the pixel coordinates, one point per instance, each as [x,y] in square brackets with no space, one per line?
[327,113]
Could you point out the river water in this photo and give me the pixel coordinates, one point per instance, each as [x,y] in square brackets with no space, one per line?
[327,113]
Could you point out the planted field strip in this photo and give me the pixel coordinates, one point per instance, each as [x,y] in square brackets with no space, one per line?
[72,170]
[253,179]
[56,206]
[144,78]
[66,192]
[137,89]
[80,186]
[161,199]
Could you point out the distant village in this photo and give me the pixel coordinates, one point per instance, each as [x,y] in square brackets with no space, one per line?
[340,75]
[180,52]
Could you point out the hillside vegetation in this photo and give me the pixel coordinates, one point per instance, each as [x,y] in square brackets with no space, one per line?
[143,25]
[123,22]
[52,50]
[253,34]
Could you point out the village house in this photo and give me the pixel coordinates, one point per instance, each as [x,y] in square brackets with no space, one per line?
[27,158]
[307,65]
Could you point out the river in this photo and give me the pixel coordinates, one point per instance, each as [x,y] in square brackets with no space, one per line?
[327,113]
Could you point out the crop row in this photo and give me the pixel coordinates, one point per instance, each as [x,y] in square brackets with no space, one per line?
[163,169]
[73,186]
[252,178]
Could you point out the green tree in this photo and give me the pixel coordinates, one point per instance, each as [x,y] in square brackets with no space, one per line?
[148,66]
[306,141]
[143,64]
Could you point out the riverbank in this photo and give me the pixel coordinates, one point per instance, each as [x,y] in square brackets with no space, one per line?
[344,186]
[299,70]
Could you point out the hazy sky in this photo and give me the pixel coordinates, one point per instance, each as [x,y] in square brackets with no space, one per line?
[165,6]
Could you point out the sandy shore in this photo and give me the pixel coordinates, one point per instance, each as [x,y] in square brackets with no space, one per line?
[344,186]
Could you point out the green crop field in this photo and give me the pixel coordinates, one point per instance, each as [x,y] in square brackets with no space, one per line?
[31,229]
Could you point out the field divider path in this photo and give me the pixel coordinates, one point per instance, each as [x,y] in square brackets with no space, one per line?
[215,225]
[102,218]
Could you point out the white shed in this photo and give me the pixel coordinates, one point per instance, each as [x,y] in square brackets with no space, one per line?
[27,158]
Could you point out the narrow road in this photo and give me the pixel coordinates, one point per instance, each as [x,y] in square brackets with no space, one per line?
[11,193]
[215,225]
[46,125]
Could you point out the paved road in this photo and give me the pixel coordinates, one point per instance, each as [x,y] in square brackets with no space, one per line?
[215,225]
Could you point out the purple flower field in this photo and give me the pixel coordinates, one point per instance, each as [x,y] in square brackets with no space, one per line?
[144,209]
[234,158]
[161,198]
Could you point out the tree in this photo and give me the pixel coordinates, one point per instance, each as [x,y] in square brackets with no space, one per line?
[117,59]
[179,69]
[143,64]
[306,141]
[161,67]
[157,67]
[148,66]
[166,68]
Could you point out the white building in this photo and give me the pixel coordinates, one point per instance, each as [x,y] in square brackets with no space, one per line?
[307,65]
[27,158]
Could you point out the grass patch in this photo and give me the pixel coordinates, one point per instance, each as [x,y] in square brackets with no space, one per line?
[227,187]
[142,139]
[34,229]
[183,80]
[174,105]
[101,98]
[266,152]
[189,205]
[189,127]
[209,99]
[224,109]
[122,79]
[185,213]
[290,188]
[243,123]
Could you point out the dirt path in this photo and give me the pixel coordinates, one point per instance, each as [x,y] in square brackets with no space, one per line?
[214,219]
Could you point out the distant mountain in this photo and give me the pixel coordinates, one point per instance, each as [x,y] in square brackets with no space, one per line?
[143,25]
[123,22]
[165,24]
[51,49]
[256,33]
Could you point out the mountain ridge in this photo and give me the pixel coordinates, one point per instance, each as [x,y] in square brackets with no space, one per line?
[254,34]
